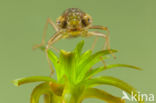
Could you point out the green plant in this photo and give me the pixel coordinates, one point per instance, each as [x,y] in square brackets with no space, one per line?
[76,80]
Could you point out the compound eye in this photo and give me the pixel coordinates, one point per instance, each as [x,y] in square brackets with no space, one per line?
[61,22]
[64,24]
[86,20]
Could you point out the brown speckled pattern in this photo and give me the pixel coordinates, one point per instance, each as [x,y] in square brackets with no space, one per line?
[73,19]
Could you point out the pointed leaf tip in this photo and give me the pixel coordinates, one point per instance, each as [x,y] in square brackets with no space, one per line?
[15,82]
[25,80]
[79,47]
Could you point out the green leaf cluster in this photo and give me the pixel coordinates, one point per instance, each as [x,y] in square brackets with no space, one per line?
[77,79]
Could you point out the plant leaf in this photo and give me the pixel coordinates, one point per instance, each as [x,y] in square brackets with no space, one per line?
[67,60]
[42,89]
[25,80]
[90,61]
[85,56]
[100,69]
[51,55]
[79,47]
[47,98]
[77,54]
[107,80]
[56,88]
[53,58]
[123,65]
[100,94]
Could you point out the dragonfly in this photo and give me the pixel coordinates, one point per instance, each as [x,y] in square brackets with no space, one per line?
[71,24]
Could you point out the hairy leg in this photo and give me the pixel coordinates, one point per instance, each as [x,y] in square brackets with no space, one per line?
[49,21]
[97,34]
[51,41]
[107,43]
[94,43]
